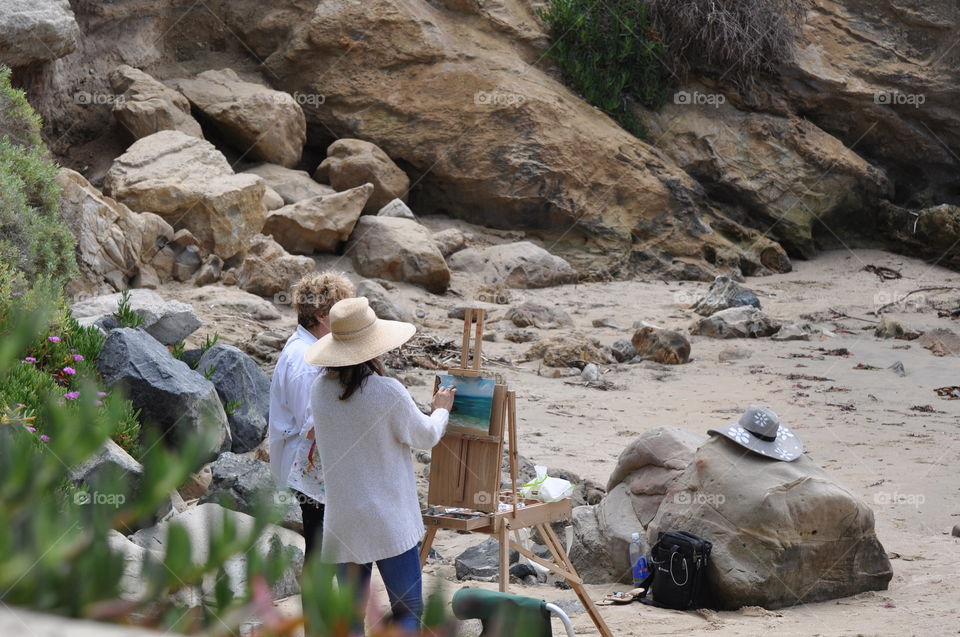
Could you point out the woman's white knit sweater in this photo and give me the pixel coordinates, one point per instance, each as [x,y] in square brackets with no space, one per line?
[364,442]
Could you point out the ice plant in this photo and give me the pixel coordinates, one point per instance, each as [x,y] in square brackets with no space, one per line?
[44,438]
[29,359]
[53,339]
[31,429]
[72,395]
[77,357]
[69,371]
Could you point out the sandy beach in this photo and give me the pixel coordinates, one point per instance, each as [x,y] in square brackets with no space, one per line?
[888,438]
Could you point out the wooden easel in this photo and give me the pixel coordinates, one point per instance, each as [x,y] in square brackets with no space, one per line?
[465,473]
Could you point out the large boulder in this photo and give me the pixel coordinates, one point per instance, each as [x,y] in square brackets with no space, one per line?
[269,270]
[515,265]
[783,533]
[291,185]
[240,482]
[36,31]
[354,162]
[243,389]
[145,106]
[602,533]
[543,317]
[398,250]
[318,224]
[737,322]
[461,101]
[723,294]
[116,248]
[190,184]
[174,400]
[263,124]
[384,304]
[933,233]
[202,522]
[785,171]
[571,350]
[167,321]
[111,459]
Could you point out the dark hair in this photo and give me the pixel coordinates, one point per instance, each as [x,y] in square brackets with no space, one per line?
[352,377]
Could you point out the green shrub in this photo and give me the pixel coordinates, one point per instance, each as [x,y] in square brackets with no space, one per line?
[608,53]
[124,314]
[33,237]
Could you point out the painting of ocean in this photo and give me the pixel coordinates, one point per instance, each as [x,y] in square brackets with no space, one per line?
[473,402]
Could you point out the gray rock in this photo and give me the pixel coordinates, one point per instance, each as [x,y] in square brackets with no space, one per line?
[623,350]
[734,354]
[396,208]
[36,31]
[187,262]
[481,562]
[515,335]
[111,458]
[202,521]
[898,368]
[173,399]
[244,391]
[570,606]
[237,481]
[167,321]
[783,533]
[736,322]
[590,373]
[956,530]
[384,304]
[725,293]
[602,533]
[515,265]
[889,328]
[210,271]
[793,332]
[540,316]
[450,241]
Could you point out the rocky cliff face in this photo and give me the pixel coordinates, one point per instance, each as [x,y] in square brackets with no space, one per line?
[461,96]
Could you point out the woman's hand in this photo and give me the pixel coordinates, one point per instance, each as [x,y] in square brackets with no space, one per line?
[443,399]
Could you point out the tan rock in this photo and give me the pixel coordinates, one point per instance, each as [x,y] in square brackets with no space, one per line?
[260,122]
[663,346]
[449,241]
[501,142]
[398,250]
[318,224]
[515,265]
[267,269]
[785,171]
[291,185]
[568,351]
[272,200]
[114,244]
[352,162]
[189,183]
[145,106]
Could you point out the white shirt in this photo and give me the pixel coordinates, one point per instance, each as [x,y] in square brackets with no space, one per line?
[291,418]
[373,511]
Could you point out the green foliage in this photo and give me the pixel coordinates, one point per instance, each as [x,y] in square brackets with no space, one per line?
[608,53]
[33,237]
[231,406]
[124,314]
[177,350]
[209,372]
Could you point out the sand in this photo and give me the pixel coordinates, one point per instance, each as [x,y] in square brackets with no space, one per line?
[858,425]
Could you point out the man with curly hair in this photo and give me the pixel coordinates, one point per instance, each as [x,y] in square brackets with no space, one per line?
[294,461]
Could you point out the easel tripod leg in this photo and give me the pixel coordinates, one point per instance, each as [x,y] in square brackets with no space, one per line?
[503,537]
[560,556]
[427,544]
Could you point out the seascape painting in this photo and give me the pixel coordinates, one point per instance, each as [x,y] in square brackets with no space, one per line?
[473,402]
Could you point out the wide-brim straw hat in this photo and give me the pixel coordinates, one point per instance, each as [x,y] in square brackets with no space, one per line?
[357,335]
[759,430]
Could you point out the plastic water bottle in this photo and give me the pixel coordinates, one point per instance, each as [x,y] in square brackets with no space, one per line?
[638,562]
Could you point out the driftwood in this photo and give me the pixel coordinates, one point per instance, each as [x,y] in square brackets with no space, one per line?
[940,288]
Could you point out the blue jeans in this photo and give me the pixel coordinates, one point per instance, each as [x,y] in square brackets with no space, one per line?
[402,579]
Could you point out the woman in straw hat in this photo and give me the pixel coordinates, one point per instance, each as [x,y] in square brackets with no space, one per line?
[365,425]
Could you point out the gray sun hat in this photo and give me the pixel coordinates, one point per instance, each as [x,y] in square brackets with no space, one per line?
[760,431]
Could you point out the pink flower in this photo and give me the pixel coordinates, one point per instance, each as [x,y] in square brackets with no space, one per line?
[69,371]
[16,294]
[101,394]
[29,359]
[72,395]
[98,403]
[53,339]
[77,357]
[44,437]
[31,429]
